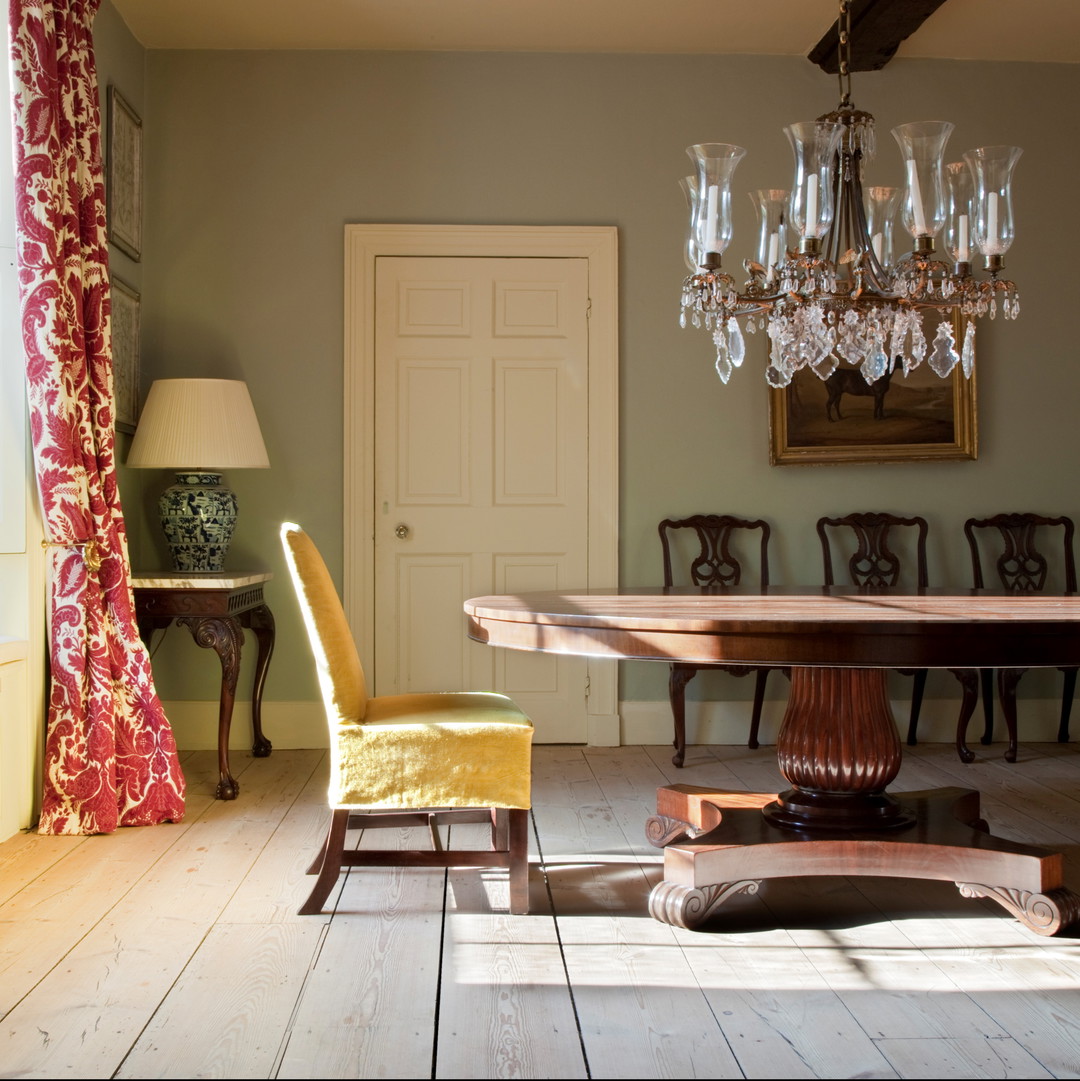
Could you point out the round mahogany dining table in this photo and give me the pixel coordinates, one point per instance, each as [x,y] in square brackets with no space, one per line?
[838,746]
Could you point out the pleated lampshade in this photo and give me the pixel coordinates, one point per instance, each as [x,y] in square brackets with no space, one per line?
[198,427]
[198,424]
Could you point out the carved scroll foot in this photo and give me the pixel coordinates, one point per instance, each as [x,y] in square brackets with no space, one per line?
[661,830]
[686,906]
[1045,913]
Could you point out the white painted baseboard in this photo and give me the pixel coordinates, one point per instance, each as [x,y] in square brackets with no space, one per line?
[728,722]
[285,724]
[303,724]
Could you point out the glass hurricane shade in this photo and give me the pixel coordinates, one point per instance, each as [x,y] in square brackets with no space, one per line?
[922,146]
[881,203]
[772,208]
[992,215]
[198,427]
[814,144]
[958,220]
[690,249]
[716,163]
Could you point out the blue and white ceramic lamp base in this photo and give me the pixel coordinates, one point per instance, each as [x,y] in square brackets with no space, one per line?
[198,515]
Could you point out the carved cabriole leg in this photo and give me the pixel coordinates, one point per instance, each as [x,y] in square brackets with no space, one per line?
[918,688]
[986,684]
[689,907]
[839,749]
[261,622]
[225,636]
[760,678]
[681,675]
[969,680]
[1008,678]
[1067,692]
[1045,913]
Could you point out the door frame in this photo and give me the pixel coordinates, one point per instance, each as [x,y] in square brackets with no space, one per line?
[599,245]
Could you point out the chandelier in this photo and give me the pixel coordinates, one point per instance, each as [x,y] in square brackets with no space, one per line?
[840,295]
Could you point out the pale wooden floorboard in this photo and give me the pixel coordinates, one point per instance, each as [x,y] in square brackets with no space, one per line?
[505,1005]
[110,983]
[177,951]
[640,1009]
[228,1012]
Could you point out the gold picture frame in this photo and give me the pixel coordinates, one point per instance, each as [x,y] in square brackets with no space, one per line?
[126,303]
[123,192]
[922,418]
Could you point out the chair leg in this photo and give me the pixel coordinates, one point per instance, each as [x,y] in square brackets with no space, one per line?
[917,689]
[1067,691]
[759,699]
[500,829]
[433,830]
[331,864]
[969,680]
[519,862]
[681,674]
[986,677]
[1008,678]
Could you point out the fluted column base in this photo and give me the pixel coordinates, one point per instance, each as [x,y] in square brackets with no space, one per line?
[839,749]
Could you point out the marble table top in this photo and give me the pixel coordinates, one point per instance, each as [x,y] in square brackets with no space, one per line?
[169,579]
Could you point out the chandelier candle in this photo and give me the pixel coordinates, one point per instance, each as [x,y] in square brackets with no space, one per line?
[917,213]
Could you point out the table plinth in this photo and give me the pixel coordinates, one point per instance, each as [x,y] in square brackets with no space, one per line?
[947,841]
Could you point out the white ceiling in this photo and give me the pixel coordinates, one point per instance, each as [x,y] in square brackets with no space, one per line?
[1043,30]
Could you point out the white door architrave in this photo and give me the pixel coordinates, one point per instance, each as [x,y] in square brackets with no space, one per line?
[598,245]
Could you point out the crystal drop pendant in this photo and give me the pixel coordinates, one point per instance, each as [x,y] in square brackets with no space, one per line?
[776,378]
[736,343]
[723,366]
[968,357]
[943,356]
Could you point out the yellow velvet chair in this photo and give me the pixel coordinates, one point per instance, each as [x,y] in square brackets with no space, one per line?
[409,759]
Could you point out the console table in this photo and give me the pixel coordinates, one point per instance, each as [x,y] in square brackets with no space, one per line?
[215,607]
[838,746]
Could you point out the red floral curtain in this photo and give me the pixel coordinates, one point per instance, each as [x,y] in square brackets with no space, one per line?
[110,757]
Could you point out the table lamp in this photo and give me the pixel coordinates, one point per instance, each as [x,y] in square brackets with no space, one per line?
[198,427]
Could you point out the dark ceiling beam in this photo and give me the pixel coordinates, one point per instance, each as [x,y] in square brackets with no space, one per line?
[877,28]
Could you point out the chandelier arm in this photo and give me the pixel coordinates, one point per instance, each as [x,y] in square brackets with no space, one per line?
[876,274]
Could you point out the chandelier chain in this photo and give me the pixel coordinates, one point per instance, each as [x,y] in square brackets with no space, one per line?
[843,52]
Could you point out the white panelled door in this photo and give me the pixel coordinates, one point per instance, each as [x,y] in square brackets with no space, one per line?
[481,480]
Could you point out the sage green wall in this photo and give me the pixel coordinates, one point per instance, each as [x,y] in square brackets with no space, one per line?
[256,161]
[121,62]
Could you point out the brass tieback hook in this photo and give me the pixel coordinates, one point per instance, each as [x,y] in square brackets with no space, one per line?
[92,555]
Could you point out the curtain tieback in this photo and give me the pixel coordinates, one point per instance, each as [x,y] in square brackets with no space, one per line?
[91,551]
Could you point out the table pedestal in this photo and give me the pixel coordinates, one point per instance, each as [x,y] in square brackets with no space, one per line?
[838,748]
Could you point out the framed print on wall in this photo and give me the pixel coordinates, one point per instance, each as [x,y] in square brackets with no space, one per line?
[915,418]
[125,348]
[124,189]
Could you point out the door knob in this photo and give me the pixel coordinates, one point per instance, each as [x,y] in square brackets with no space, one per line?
[402,531]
